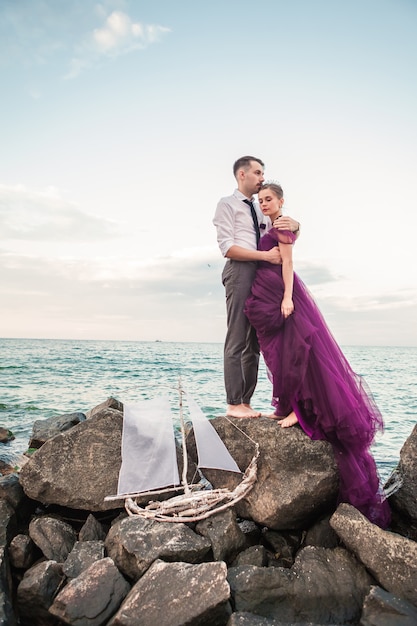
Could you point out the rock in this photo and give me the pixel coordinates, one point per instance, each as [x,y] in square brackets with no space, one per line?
[6,435]
[7,617]
[110,403]
[324,587]
[6,466]
[11,490]
[404,501]
[249,619]
[22,552]
[8,523]
[92,530]
[93,597]
[36,591]
[297,477]
[43,430]
[383,608]
[254,555]
[224,534]
[390,558]
[53,536]
[87,456]
[135,543]
[259,589]
[251,531]
[284,546]
[321,534]
[83,554]
[175,594]
[291,570]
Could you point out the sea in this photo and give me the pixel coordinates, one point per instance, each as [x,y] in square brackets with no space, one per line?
[41,378]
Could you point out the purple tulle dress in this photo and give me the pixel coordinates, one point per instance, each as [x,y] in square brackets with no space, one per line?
[311,376]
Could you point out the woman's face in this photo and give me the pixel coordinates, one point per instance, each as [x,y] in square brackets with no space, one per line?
[269,202]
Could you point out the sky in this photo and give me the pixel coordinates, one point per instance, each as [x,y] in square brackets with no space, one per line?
[120,124]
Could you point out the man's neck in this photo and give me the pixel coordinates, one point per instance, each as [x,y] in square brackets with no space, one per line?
[248,196]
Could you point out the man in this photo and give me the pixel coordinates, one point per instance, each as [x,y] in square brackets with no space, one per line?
[237,223]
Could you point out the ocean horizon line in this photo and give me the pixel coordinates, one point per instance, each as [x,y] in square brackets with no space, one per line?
[152,341]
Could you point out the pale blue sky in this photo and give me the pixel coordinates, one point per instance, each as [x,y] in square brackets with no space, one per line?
[120,124]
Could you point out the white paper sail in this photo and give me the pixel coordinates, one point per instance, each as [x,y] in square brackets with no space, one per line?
[210,448]
[149,459]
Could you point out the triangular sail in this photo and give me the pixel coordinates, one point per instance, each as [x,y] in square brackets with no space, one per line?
[149,459]
[210,448]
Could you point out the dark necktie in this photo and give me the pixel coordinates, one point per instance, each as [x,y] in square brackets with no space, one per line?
[255,219]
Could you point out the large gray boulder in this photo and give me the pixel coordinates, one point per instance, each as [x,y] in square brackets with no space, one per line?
[86,456]
[36,593]
[43,430]
[324,586]
[175,594]
[135,543]
[54,537]
[404,501]
[83,554]
[93,597]
[22,552]
[390,558]
[297,477]
[226,537]
[382,608]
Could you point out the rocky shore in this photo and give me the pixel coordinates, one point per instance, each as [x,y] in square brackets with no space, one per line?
[285,555]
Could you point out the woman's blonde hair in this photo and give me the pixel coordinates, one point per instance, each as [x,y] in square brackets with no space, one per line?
[277,189]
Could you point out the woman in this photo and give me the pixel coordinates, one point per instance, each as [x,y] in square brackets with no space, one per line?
[313,384]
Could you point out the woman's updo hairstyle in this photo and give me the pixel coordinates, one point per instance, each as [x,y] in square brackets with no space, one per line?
[277,189]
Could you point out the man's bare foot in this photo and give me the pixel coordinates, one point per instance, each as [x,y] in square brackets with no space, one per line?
[241,410]
[290,420]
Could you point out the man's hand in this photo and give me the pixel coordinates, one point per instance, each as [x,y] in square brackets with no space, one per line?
[273,256]
[286,223]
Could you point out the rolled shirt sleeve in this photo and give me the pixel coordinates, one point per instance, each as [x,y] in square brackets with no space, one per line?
[234,224]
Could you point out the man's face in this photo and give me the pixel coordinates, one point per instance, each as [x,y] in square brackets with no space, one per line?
[252,178]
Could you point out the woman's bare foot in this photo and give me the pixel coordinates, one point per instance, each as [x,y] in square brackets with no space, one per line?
[288,421]
[241,411]
[272,416]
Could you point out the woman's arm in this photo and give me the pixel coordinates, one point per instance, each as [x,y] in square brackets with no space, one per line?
[287,304]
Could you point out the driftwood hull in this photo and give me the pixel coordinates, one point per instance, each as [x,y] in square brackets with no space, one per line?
[198,505]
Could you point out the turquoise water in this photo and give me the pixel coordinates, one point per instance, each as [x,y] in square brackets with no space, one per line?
[40,378]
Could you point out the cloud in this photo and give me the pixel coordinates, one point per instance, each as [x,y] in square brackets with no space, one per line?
[111,298]
[38,33]
[46,216]
[315,273]
[165,298]
[119,35]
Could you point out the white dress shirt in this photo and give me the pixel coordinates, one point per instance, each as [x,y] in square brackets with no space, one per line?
[234,223]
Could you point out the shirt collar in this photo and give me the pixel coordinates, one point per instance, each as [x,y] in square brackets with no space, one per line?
[238,194]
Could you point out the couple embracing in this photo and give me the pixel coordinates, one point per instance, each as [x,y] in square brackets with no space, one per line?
[270,310]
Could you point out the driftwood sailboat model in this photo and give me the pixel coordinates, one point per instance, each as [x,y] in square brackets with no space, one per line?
[149,463]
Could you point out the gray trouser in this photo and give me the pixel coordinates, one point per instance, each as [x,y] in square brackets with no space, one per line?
[241,348]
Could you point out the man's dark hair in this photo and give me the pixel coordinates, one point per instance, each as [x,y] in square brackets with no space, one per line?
[245,163]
